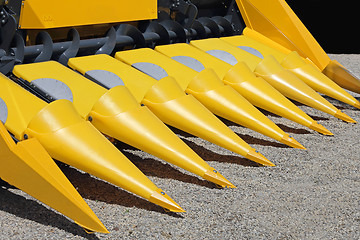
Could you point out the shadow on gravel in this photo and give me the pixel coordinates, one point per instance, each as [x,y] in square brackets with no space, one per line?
[98,190]
[209,155]
[253,140]
[267,113]
[297,103]
[32,210]
[338,104]
[247,138]
[155,168]
[256,141]
[318,118]
[293,130]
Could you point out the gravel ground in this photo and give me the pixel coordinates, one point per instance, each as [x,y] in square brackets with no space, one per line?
[311,194]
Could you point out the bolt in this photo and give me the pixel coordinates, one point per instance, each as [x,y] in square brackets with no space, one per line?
[26,136]
[90,118]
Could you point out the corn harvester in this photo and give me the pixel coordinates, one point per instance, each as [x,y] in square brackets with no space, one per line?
[77,76]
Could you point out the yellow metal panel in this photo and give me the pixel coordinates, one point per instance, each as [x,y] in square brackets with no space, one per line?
[137,82]
[22,106]
[82,100]
[316,80]
[40,14]
[29,167]
[70,139]
[168,101]
[255,89]
[217,44]
[275,20]
[171,66]
[246,114]
[208,61]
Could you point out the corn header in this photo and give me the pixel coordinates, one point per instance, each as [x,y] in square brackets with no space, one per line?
[76,74]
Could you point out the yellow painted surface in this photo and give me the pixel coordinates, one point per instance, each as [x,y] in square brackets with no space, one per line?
[117,114]
[275,20]
[291,86]
[171,66]
[218,44]
[220,99]
[22,106]
[85,93]
[40,14]
[29,167]
[137,82]
[67,137]
[265,50]
[317,80]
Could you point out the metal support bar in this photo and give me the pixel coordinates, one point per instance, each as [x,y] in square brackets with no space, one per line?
[126,35]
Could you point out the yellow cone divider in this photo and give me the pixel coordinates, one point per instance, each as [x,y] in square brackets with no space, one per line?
[70,139]
[234,72]
[292,87]
[238,109]
[274,23]
[117,114]
[167,100]
[339,74]
[206,87]
[171,105]
[304,70]
[316,80]
[139,127]
[27,166]
[263,95]
[265,50]
[221,99]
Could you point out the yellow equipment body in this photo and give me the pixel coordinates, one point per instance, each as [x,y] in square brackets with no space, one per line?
[285,81]
[307,72]
[315,79]
[28,166]
[334,70]
[131,95]
[209,90]
[117,114]
[256,90]
[168,102]
[340,75]
[39,14]
[275,20]
[293,88]
[70,139]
